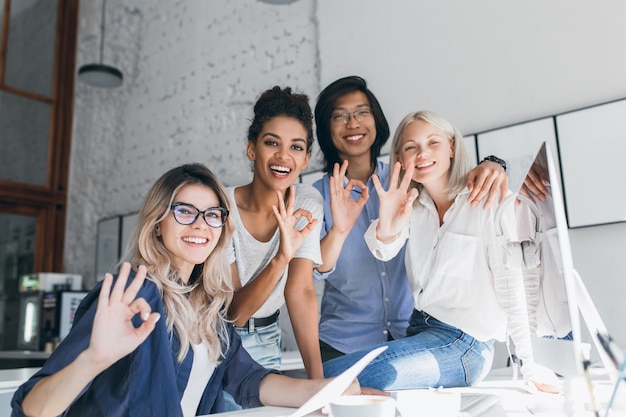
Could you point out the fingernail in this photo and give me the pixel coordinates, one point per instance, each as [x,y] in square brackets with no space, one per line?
[145,316]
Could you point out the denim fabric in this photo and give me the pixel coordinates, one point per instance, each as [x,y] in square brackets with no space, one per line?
[264,346]
[433,354]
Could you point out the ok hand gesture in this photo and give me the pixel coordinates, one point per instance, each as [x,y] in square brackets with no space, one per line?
[290,237]
[396,204]
[113,335]
[344,209]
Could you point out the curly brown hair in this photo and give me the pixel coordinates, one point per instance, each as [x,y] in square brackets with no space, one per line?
[282,102]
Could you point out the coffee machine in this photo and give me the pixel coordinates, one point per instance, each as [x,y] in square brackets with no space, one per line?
[47,305]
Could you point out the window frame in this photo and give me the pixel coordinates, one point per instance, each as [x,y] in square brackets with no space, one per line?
[48,203]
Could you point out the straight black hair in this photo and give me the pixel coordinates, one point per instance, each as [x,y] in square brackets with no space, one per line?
[324,109]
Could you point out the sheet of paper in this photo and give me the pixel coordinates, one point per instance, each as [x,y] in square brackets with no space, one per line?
[338,385]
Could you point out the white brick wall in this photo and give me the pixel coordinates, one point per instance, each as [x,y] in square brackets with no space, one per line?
[192,71]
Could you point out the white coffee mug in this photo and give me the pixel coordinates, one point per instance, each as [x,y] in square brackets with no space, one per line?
[362,406]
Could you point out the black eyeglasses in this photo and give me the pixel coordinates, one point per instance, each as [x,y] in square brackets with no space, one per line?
[343,118]
[187,214]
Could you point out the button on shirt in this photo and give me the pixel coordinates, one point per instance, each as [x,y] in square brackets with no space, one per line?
[364,299]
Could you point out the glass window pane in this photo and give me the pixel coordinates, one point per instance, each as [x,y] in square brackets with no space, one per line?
[30,50]
[17,254]
[17,249]
[24,128]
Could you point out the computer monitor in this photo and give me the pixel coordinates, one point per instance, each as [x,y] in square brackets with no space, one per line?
[556,294]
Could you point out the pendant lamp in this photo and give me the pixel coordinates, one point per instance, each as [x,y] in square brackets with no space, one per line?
[99,74]
[278,1]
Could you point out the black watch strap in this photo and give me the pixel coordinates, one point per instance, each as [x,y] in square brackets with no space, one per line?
[495,159]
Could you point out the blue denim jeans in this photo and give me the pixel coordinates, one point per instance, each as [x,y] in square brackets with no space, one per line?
[433,354]
[264,346]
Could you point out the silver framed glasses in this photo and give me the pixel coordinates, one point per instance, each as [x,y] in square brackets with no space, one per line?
[187,214]
[343,118]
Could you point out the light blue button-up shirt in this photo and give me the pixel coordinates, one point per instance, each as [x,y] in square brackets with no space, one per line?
[365,300]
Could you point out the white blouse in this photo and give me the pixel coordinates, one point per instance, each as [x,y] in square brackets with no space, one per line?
[463,272]
[201,371]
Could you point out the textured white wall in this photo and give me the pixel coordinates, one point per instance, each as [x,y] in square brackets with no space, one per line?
[193,70]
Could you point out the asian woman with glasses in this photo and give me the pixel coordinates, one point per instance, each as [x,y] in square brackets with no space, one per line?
[276,242]
[155,340]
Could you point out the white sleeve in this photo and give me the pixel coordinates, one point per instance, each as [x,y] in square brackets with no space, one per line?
[384,251]
[506,260]
[230,251]
[309,199]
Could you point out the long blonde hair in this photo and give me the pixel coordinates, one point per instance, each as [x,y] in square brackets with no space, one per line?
[196,311]
[460,164]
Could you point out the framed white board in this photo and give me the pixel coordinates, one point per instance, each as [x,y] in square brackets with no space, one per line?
[592,145]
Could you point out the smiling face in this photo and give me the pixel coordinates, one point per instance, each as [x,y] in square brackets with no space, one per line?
[354,138]
[430,150]
[190,244]
[280,152]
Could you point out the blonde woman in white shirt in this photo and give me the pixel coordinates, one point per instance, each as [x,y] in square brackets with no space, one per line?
[463,301]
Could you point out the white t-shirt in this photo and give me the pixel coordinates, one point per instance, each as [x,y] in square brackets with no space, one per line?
[252,256]
[201,371]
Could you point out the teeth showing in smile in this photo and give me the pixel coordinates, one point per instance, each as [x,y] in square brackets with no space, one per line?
[353,138]
[278,168]
[425,164]
[196,240]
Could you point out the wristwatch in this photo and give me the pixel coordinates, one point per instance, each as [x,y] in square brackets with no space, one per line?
[495,159]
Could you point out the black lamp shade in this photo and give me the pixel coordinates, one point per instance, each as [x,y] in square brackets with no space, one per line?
[100,75]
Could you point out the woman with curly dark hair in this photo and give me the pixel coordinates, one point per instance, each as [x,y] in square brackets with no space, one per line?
[277,227]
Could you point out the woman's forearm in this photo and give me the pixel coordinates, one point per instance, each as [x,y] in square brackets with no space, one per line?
[53,394]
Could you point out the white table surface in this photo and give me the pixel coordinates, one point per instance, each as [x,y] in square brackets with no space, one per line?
[497,396]
[10,380]
[13,378]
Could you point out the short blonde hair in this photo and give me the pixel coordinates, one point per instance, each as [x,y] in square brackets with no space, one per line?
[460,164]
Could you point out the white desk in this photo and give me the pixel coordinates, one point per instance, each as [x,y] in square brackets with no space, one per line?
[13,378]
[10,380]
[497,396]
